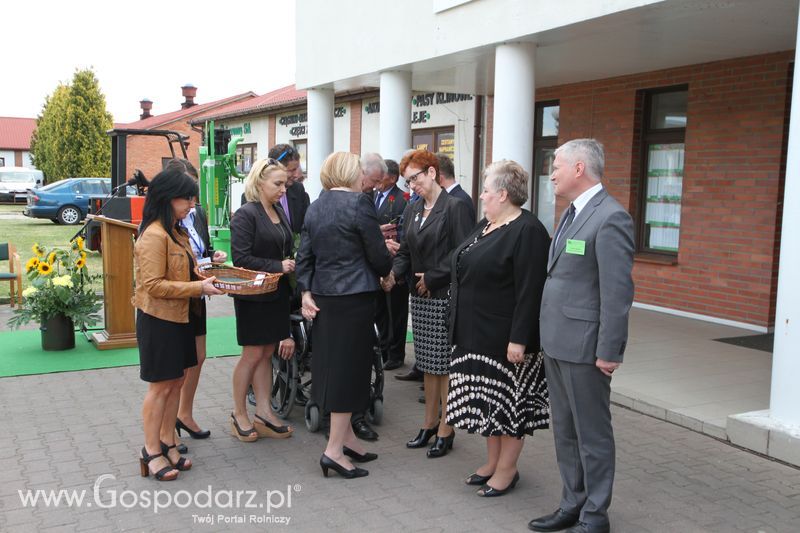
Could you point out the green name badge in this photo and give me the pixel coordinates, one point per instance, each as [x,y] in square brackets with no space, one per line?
[576,247]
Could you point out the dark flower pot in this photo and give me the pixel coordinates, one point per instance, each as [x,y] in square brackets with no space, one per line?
[58,333]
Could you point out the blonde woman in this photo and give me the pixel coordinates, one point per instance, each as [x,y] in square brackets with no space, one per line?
[341,258]
[261,239]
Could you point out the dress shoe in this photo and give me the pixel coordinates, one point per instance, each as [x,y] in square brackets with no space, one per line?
[326,463]
[477,479]
[441,445]
[422,438]
[199,434]
[392,364]
[487,491]
[556,521]
[583,527]
[183,449]
[411,375]
[363,431]
[359,457]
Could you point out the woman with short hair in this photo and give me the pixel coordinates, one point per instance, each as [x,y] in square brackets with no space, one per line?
[497,381]
[342,255]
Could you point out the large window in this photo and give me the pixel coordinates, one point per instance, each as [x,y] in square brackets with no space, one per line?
[435,140]
[246,155]
[545,142]
[663,149]
[301,145]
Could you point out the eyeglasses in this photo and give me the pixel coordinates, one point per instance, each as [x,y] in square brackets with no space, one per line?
[412,179]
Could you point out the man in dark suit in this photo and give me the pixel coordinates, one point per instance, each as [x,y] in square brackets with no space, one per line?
[584,329]
[392,309]
[296,201]
[447,180]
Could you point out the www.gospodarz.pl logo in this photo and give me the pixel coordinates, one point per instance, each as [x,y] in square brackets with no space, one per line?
[156,500]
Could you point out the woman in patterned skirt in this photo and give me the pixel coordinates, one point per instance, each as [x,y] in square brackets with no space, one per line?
[497,382]
[433,227]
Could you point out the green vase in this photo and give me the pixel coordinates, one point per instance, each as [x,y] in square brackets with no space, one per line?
[58,333]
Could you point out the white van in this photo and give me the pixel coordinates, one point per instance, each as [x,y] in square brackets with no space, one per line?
[15,182]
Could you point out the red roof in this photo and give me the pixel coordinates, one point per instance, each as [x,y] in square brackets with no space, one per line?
[15,133]
[278,98]
[156,121]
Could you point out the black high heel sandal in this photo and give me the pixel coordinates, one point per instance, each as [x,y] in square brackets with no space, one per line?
[487,491]
[422,438]
[359,457]
[180,464]
[477,479]
[161,475]
[441,445]
[199,434]
[326,462]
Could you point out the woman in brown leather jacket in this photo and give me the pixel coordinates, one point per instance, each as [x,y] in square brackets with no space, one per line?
[163,263]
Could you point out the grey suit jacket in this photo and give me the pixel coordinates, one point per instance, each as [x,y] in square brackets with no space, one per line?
[587,298]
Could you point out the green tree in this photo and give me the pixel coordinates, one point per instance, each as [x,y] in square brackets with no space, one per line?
[70,137]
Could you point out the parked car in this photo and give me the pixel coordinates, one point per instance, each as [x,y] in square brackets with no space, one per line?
[66,201]
[15,182]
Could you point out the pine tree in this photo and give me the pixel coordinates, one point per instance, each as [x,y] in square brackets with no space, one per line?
[70,138]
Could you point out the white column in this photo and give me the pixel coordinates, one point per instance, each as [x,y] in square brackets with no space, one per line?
[784,402]
[514,104]
[395,118]
[320,136]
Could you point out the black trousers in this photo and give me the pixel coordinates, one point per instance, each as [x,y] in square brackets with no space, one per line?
[391,317]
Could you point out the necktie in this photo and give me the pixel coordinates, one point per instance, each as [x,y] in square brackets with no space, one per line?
[378,198]
[565,227]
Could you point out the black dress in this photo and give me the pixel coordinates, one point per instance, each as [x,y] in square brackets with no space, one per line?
[259,244]
[498,280]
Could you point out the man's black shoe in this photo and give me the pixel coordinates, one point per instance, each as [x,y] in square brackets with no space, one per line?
[411,375]
[392,364]
[553,522]
[363,431]
[583,527]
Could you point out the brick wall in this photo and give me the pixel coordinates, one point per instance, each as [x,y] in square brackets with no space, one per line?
[271,132]
[145,153]
[355,127]
[733,177]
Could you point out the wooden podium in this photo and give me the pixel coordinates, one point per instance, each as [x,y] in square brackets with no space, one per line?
[117,238]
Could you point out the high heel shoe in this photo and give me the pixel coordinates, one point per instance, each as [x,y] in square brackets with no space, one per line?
[161,475]
[487,491]
[265,428]
[326,462]
[199,434]
[441,445]
[181,464]
[359,457]
[422,438]
[477,479]
[245,436]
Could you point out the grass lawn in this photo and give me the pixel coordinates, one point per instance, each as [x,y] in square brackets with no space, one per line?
[22,233]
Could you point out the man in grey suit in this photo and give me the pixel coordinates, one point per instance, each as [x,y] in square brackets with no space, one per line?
[584,329]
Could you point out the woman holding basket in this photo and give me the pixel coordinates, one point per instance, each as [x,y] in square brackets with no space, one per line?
[261,240]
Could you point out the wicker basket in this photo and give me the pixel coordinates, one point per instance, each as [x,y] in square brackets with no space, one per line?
[238,281]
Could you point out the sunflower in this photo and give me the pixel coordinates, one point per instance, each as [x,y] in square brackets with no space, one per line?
[78,243]
[51,258]
[80,263]
[38,250]
[83,255]
[45,269]
[32,263]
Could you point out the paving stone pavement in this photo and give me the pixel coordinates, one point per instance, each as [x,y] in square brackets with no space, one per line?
[64,431]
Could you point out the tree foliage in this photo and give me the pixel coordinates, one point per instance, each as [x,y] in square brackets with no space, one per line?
[70,138]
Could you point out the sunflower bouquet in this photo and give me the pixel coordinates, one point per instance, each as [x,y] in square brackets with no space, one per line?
[59,283]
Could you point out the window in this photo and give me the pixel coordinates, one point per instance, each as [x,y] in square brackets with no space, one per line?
[302,148]
[545,142]
[663,150]
[435,140]
[245,157]
[2,161]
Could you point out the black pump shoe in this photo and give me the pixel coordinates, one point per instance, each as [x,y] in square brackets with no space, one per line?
[487,491]
[441,445]
[326,462]
[359,457]
[422,438]
[199,434]
[477,479]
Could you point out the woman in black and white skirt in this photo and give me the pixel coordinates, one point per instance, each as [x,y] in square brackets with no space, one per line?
[434,225]
[497,382]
